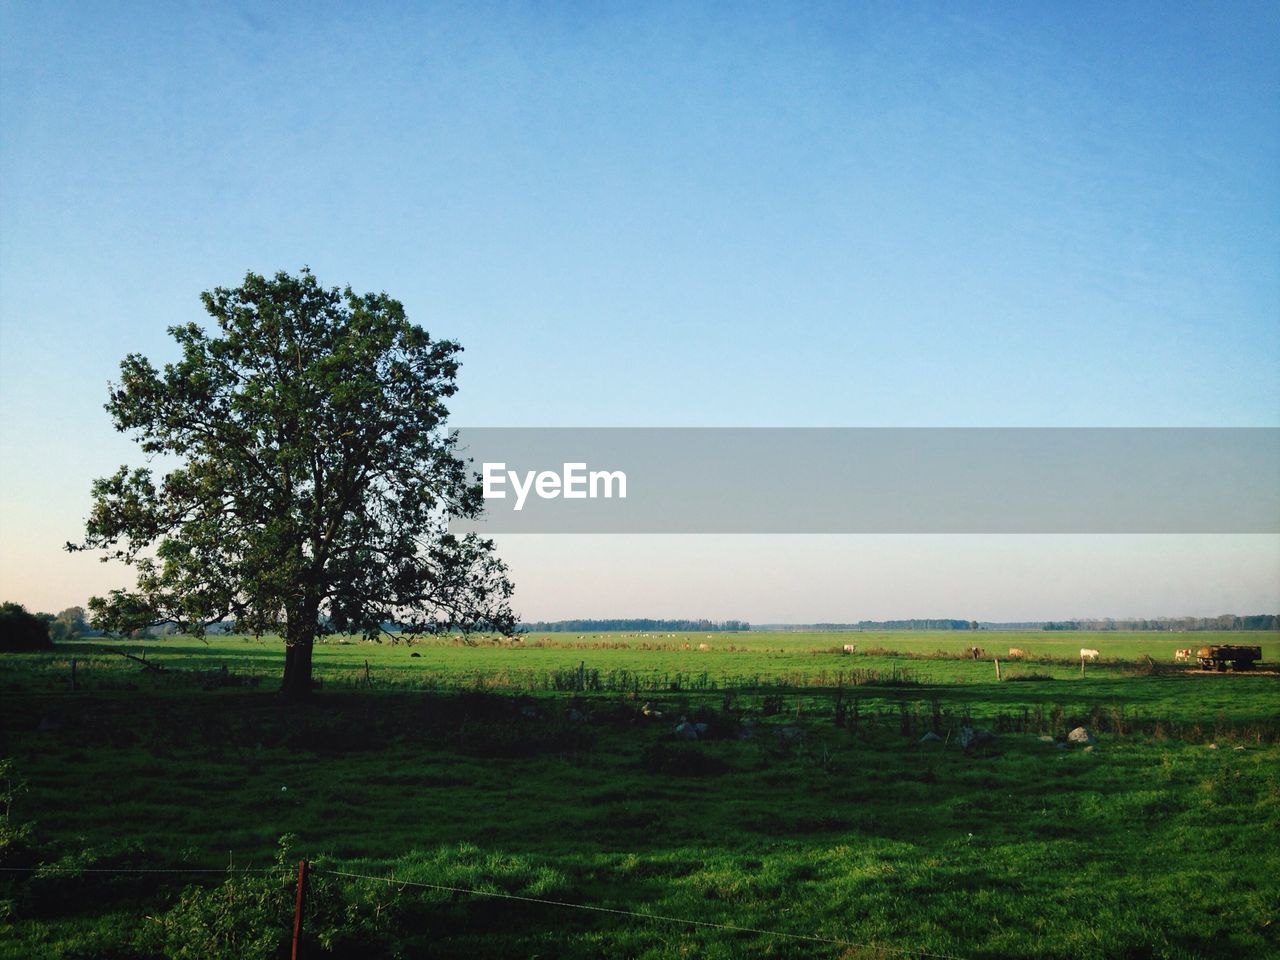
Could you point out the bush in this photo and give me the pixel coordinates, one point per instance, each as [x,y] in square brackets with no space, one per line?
[249,916]
[14,835]
[21,631]
[245,916]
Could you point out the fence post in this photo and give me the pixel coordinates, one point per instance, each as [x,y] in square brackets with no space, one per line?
[997,669]
[297,908]
[73,674]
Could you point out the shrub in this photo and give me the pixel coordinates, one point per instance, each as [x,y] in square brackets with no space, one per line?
[245,916]
[14,834]
[20,630]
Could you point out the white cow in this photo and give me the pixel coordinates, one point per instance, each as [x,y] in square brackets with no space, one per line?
[1184,654]
[850,648]
[1017,652]
[1087,654]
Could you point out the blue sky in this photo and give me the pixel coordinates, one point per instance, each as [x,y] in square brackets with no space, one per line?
[666,214]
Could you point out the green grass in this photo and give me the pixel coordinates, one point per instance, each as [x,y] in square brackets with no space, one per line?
[732,659]
[1154,844]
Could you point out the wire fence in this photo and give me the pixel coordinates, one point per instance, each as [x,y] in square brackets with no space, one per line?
[638,915]
[402,884]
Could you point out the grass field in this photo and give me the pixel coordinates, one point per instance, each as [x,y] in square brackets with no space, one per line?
[810,807]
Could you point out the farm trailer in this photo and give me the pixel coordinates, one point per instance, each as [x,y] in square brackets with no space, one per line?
[1218,657]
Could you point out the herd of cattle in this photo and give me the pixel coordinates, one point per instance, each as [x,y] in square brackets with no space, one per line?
[1217,657]
[1017,653]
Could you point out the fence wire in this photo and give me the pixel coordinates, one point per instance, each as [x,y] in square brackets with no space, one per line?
[616,911]
[587,907]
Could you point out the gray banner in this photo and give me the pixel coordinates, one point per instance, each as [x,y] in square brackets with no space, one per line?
[877,480]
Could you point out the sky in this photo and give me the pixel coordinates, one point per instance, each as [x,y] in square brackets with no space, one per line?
[674,215]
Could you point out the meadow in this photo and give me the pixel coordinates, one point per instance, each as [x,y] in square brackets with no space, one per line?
[812,816]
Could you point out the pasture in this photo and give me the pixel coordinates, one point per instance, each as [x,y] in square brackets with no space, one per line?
[812,816]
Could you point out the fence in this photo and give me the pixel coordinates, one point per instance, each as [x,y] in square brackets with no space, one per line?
[297,931]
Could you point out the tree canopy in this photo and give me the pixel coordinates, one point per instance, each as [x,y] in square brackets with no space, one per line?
[20,630]
[315,481]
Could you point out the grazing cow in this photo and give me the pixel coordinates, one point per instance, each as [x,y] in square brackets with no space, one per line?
[850,647]
[976,652]
[1017,652]
[1184,654]
[1087,654]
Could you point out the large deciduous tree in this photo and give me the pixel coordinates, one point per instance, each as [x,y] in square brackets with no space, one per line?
[314,481]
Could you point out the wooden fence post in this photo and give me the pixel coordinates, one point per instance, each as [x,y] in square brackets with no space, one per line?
[997,669]
[297,908]
[73,674]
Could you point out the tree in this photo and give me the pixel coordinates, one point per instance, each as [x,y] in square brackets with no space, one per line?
[315,482]
[20,630]
[68,625]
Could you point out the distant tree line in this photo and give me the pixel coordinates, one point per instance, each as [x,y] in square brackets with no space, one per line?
[22,630]
[877,625]
[600,626]
[1228,621]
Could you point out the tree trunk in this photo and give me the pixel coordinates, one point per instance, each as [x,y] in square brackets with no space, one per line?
[299,644]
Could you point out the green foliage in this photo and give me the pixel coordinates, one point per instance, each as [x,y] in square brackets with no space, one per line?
[20,630]
[247,916]
[315,482]
[70,624]
[15,834]
[1153,844]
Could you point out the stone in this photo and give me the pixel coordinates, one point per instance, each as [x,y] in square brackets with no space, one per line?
[975,737]
[931,737]
[1080,735]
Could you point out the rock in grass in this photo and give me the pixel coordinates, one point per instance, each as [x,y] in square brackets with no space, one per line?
[975,737]
[686,731]
[1080,735]
[931,737]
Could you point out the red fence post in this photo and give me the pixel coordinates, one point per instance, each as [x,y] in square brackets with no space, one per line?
[297,908]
